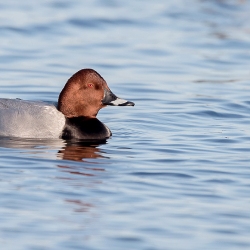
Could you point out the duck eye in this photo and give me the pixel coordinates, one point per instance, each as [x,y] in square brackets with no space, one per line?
[90,85]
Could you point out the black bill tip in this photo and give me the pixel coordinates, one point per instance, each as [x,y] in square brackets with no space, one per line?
[127,103]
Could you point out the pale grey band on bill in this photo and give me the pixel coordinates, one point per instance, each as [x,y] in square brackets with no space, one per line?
[121,102]
[111,99]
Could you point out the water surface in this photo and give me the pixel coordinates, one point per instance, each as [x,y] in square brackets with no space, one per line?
[175,174]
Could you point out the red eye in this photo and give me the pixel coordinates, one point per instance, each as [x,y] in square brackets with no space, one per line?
[90,85]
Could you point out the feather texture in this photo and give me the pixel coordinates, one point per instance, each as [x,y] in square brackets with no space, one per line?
[30,119]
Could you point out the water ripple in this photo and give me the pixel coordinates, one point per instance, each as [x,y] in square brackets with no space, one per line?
[177,165]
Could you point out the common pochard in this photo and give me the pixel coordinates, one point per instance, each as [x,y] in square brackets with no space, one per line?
[74,116]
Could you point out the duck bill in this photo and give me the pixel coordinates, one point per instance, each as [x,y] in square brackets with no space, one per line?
[111,99]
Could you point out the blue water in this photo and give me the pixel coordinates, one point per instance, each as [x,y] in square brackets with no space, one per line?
[175,174]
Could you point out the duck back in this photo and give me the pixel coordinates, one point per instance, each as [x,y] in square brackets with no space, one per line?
[30,119]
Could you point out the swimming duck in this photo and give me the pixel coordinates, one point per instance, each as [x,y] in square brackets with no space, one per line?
[74,116]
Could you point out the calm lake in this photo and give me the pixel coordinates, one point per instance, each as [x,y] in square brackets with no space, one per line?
[176,172]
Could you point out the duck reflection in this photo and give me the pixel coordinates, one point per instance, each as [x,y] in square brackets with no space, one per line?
[80,151]
[31,144]
[67,150]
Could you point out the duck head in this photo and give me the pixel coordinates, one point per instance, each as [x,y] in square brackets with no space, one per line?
[85,93]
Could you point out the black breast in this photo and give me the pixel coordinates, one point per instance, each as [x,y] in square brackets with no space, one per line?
[85,128]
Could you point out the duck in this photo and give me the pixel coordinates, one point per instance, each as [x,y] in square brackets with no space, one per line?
[72,117]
